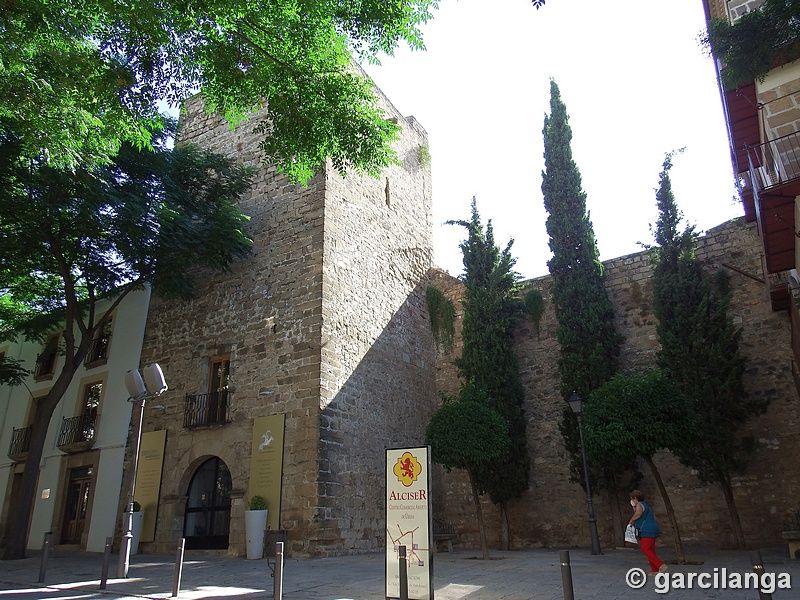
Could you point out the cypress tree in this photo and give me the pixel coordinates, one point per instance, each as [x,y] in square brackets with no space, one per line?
[488,359]
[588,339]
[700,351]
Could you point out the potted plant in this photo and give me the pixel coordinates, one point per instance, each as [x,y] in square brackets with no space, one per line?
[136,527]
[255,523]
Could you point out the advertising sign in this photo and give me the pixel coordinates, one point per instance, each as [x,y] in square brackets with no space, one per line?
[148,479]
[408,521]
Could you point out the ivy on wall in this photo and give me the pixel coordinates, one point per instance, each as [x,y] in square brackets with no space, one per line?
[443,314]
[756,42]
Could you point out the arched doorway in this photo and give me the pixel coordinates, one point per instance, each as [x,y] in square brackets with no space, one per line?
[208,508]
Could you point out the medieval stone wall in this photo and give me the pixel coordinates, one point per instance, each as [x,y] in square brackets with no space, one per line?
[554,512]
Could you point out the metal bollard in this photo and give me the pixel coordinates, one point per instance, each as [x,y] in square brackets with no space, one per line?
[566,575]
[758,569]
[106,559]
[401,551]
[176,582]
[45,556]
[277,574]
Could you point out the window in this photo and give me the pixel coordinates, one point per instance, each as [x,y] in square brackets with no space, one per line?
[46,361]
[81,428]
[98,351]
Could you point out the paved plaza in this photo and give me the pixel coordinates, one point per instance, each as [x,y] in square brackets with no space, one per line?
[515,575]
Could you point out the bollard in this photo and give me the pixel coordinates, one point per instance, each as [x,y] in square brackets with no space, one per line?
[176,582]
[277,574]
[401,551]
[758,569]
[566,575]
[45,556]
[106,559]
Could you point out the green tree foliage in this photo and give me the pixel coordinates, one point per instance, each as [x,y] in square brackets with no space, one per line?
[639,415]
[758,41]
[700,350]
[80,78]
[589,342]
[71,238]
[466,433]
[488,358]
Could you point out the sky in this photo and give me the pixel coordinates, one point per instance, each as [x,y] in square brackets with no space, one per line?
[636,83]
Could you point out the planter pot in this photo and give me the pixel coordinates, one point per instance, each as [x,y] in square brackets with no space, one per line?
[136,531]
[255,522]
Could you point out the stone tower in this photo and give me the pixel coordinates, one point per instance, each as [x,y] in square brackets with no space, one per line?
[326,324]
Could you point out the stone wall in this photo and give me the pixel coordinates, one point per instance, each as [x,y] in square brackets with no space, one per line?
[325,322]
[553,512]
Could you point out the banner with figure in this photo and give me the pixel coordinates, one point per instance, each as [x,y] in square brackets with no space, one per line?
[266,465]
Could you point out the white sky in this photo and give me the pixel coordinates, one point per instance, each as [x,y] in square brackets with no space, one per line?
[636,84]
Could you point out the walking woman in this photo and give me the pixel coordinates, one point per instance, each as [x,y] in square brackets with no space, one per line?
[645,523]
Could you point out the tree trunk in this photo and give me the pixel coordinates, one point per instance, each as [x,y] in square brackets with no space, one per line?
[479,515]
[727,491]
[673,521]
[616,518]
[505,541]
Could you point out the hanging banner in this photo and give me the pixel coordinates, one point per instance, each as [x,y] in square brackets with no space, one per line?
[408,521]
[148,479]
[266,465]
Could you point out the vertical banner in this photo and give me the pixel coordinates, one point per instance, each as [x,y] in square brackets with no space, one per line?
[408,521]
[148,479]
[266,465]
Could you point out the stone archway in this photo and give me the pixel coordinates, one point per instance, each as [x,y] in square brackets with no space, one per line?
[207,516]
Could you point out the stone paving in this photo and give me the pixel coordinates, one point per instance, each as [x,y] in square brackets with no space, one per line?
[516,575]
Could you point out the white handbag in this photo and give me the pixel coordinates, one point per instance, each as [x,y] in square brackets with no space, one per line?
[630,534]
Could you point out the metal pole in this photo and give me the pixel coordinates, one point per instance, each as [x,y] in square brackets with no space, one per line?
[401,550]
[758,569]
[45,556]
[176,582]
[566,575]
[277,582]
[106,559]
[590,504]
[125,548]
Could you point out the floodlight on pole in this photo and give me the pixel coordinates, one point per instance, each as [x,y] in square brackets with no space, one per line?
[139,389]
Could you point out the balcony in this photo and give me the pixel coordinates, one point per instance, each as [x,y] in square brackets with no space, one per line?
[207,409]
[98,352]
[20,443]
[774,177]
[77,434]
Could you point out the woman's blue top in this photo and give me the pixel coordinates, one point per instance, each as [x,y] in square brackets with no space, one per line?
[646,523]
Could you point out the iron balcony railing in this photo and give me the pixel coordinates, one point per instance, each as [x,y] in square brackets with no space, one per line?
[20,442]
[207,409]
[775,162]
[98,351]
[45,365]
[77,429]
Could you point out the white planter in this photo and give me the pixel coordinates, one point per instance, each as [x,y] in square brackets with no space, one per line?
[255,522]
[136,531]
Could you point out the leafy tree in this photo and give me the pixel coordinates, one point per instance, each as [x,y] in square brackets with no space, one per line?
[700,351]
[466,433]
[756,42]
[81,78]
[588,339]
[638,415]
[488,359]
[71,238]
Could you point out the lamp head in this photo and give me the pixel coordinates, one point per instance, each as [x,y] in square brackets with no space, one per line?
[575,402]
[134,384]
[154,379]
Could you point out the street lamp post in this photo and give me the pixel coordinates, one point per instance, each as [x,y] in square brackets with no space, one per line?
[576,404]
[152,386]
